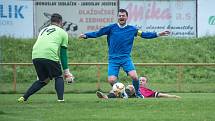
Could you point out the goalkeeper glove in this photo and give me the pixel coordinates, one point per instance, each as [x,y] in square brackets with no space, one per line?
[68,76]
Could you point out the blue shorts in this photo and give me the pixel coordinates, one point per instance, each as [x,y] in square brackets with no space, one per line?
[117,62]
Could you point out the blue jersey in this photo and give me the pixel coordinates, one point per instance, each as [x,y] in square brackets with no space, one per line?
[120,40]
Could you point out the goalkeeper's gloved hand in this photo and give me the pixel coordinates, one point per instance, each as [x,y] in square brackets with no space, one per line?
[68,76]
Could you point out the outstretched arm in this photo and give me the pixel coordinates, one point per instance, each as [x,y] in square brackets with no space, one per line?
[164,33]
[150,35]
[102,31]
[168,95]
[147,35]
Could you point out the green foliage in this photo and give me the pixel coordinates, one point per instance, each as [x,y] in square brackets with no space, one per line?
[16,50]
[173,50]
[160,50]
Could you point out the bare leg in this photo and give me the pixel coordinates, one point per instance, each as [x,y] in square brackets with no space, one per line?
[112,79]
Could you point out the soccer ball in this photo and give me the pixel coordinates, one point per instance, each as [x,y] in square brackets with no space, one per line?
[118,88]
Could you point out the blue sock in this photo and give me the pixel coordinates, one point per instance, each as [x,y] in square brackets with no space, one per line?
[37,85]
[136,85]
[59,87]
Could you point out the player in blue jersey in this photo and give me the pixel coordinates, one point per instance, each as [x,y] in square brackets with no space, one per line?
[120,38]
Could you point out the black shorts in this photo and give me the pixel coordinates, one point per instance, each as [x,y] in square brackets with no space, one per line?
[112,95]
[46,68]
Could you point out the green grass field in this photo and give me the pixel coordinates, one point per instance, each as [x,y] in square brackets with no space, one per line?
[87,107]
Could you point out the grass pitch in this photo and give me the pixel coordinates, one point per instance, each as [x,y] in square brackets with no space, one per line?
[87,107]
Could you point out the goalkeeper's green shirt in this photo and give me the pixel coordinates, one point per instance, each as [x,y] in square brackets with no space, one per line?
[48,43]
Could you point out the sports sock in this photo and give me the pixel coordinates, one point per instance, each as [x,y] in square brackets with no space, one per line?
[59,87]
[37,85]
[111,95]
[136,84]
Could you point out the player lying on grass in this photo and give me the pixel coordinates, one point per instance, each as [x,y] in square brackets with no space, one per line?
[130,91]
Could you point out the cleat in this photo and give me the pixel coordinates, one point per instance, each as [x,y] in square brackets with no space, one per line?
[21,99]
[101,95]
[139,95]
[60,100]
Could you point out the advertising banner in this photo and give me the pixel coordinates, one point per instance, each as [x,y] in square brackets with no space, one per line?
[16,18]
[206,18]
[79,16]
[178,16]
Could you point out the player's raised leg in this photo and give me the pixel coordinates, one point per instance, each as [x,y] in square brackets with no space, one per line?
[135,83]
[129,68]
[113,71]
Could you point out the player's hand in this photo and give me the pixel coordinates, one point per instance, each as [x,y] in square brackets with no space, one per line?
[164,33]
[83,36]
[68,76]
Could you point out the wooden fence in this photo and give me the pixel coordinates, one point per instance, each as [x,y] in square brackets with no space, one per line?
[180,67]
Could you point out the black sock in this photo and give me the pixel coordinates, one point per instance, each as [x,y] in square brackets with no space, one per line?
[59,87]
[37,85]
[111,95]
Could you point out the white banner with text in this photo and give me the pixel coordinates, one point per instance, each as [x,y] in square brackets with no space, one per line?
[206,18]
[79,16]
[177,16]
[16,18]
